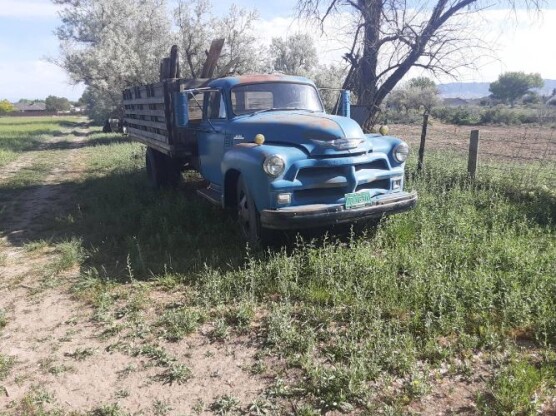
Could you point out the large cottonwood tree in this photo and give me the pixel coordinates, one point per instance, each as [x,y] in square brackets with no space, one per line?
[390,37]
[109,45]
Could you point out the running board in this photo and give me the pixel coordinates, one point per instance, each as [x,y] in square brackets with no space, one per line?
[211,195]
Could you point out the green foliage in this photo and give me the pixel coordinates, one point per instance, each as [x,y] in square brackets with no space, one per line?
[54,103]
[515,389]
[177,323]
[6,364]
[6,107]
[511,86]
[108,410]
[176,373]
[458,115]
[330,76]
[422,83]
[3,319]
[224,405]
[472,115]
[295,55]
[418,94]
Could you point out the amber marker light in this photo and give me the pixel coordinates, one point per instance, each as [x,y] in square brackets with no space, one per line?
[259,139]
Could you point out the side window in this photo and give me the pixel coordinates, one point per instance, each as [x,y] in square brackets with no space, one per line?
[196,107]
[216,107]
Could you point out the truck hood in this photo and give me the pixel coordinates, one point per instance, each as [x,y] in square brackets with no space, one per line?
[319,134]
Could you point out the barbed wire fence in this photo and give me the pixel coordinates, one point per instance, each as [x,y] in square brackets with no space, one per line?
[524,155]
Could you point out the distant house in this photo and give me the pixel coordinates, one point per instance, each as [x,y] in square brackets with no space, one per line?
[30,109]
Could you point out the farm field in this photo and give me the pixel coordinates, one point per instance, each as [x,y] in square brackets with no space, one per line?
[118,299]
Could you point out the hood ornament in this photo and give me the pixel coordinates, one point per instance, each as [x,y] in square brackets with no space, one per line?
[339,144]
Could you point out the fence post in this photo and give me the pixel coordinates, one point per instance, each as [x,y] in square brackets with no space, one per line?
[473,154]
[422,144]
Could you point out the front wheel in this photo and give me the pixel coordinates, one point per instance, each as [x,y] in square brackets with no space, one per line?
[248,217]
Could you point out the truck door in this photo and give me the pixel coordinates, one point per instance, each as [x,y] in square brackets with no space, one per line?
[212,137]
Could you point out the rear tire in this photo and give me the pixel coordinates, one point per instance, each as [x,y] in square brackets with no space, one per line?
[162,170]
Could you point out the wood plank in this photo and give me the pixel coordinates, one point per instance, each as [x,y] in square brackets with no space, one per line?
[146,100]
[146,136]
[147,123]
[212,58]
[473,160]
[152,113]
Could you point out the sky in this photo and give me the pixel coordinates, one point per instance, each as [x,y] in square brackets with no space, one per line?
[522,42]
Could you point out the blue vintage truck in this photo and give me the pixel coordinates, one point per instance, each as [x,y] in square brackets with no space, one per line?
[267,150]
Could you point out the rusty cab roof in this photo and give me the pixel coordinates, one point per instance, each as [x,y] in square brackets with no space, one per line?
[232,81]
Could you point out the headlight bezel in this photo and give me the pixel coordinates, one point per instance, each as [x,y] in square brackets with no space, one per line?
[400,152]
[271,162]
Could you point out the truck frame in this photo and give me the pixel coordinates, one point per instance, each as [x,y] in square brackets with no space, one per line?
[266,148]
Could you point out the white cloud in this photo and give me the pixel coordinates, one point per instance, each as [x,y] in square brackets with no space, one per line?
[35,79]
[28,9]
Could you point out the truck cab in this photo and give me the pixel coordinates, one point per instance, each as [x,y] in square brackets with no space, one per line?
[270,151]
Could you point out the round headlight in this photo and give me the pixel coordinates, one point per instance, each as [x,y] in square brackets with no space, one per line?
[401,151]
[274,166]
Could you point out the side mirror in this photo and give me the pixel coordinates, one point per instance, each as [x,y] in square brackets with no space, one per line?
[181,104]
[345,104]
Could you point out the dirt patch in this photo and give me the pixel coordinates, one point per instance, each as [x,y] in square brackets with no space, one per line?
[497,143]
[56,346]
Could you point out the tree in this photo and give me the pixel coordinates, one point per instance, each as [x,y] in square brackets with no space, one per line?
[418,94]
[6,107]
[511,86]
[54,103]
[197,27]
[329,78]
[296,55]
[390,37]
[422,83]
[111,44]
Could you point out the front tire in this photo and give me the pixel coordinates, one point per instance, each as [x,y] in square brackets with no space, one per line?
[248,217]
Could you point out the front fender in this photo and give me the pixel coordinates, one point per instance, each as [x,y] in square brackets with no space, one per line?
[248,158]
[385,144]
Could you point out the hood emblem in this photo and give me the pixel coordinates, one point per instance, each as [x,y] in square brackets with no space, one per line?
[339,144]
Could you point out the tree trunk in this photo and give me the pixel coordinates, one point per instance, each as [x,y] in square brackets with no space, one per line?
[367,70]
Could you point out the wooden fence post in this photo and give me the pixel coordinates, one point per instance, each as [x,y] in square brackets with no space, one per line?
[422,144]
[473,154]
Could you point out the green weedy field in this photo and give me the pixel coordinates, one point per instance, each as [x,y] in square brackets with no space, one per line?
[116,298]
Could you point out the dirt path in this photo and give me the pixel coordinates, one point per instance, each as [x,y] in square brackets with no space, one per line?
[57,357]
[23,214]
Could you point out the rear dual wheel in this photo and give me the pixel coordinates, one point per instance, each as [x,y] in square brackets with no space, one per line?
[162,170]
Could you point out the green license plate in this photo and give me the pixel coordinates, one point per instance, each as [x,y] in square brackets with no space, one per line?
[358,199]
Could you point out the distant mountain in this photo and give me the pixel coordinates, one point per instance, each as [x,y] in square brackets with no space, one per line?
[470,90]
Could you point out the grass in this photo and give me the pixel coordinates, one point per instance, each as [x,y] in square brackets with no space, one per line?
[80,354]
[470,270]
[225,405]
[517,388]
[472,267]
[175,373]
[22,134]
[177,323]
[3,319]
[6,364]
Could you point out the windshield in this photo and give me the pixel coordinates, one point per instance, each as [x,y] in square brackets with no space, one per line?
[251,98]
